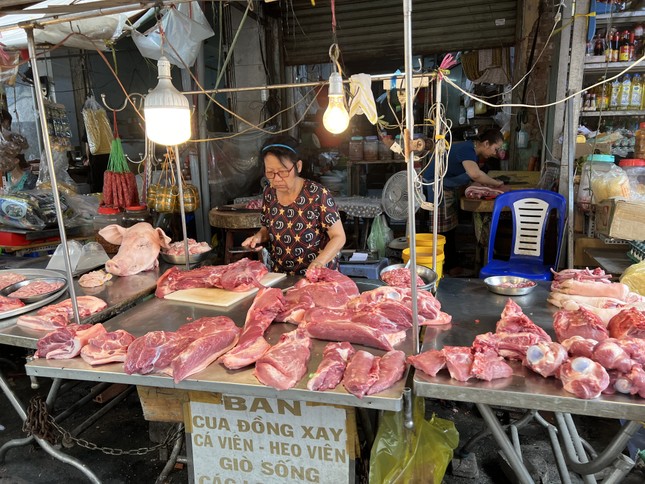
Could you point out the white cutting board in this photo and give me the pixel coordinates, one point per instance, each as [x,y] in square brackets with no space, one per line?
[221,297]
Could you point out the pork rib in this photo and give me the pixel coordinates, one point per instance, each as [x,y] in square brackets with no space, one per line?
[267,304]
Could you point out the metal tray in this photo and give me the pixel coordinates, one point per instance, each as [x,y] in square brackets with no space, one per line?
[181,259]
[32,299]
[426,274]
[493,284]
[32,274]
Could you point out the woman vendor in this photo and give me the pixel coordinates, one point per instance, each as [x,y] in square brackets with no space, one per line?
[462,169]
[18,176]
[300,220]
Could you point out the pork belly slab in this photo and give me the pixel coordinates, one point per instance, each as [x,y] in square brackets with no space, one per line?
[59,315]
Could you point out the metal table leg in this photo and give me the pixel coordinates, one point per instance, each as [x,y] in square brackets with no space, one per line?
[46,446]
[505,444]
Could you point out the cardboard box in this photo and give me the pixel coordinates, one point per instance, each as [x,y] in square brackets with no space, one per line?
[621,219]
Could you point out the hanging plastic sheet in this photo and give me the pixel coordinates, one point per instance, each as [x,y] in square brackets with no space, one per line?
[422,454]
[184,29]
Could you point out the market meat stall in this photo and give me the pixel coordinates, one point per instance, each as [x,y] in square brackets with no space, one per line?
[525,389]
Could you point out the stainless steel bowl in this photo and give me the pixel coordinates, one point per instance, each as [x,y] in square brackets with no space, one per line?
[32,299]
[428,275]
[181,259]
[494,284]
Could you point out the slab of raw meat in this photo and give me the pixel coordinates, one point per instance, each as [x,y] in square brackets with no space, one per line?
[489,366]
[8,304]
[561,300]
[459,360]
[361,373]
[35,288]
[635,348]
[331,369]
[204,350]
[515,345]
[401,277]
[282,366]
[429,362]
[632,382]
[391,369]
[323,288]
[8,278]
[579,346]
[194,247]
[373,317]
[107,347]
[514,320]
[546,358]
[238,276]
[67,342]
[58,315]
[627,323]
[251,345]
[205,326]
[592,289]
[612,356]
[94,278]
[354,333]
[578,323]
[597,275]
[583,377]
[153,352]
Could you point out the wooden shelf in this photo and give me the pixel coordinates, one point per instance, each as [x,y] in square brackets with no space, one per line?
[595,114]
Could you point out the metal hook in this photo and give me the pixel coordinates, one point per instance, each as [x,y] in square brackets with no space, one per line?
[125,102]
[334,52]
[420,69]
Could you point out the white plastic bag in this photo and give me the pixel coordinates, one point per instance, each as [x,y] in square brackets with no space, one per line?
[184,27]
[97,127]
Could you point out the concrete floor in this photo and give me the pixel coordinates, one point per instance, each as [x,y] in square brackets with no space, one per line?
[125,428]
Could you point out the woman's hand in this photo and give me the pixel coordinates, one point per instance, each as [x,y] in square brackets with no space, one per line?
[315,263]
[253,242]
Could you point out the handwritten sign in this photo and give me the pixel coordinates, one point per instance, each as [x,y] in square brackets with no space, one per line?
[247,440]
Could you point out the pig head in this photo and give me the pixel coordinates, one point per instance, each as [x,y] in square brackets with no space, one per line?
[140,245]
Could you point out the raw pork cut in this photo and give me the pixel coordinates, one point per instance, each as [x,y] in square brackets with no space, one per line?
[635,348]
[513,320]
[107,347]
[59,315]
[400,278]
[285,363]
[354,333]
[489,366]
[632,382]
[627,323]
[140,246]
[579,346]
[267,304]
[459,360]
[611,356]
[194,247]
[597,275]
[578,323]
[614,290]
[561,300]
[35,288]
[238,276]
[323,288]
[390,370]
[361,373]
[583,377]
[332,367]
[66,342]
[94,278]
[8,278]
[153,351]
[546,358]
[212,338]
[8,304]
[383,320]
[429,362]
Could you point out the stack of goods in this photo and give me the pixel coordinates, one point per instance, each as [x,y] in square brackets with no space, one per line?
[33,210]
[119,183]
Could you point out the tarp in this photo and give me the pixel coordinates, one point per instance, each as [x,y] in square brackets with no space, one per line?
[96,31]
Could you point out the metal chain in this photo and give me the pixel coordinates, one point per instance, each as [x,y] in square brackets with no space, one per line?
[41,424]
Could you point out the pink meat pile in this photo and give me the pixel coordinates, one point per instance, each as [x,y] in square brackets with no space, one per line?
[59,315]
[239,276]
[194,247]
[593,290]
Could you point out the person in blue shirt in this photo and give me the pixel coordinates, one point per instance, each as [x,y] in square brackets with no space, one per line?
[463,169]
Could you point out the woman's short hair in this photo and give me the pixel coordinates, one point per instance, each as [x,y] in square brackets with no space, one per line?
[491,135]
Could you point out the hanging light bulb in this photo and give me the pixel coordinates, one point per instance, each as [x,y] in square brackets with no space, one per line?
[166,110]
[336,117]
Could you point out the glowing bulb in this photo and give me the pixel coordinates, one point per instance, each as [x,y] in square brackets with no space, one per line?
[166,110]
[336,117]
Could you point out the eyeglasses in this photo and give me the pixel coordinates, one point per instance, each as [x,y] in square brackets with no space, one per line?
[282,173]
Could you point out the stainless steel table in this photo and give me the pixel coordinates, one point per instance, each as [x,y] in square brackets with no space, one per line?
[475,310]
[160,314]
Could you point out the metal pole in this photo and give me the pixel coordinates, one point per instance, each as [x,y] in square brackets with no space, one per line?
[437,155]
[409,156]
[201,214]
[182,208]
[570,162]
[50,164]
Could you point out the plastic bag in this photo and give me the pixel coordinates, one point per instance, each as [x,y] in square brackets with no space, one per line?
[380,236]
[401,456]
[184,28]
[20,211]
[634,277]
[97,127]
[609,184]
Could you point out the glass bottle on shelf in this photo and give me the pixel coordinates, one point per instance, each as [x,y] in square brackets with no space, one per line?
[625,92]
[614,96]
[636,96]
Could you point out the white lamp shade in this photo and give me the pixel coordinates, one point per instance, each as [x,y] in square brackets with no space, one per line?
[166,111]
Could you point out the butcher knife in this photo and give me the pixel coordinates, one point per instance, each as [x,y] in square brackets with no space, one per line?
[244,250]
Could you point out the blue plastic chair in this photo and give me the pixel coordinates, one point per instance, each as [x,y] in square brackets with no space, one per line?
[530,210]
